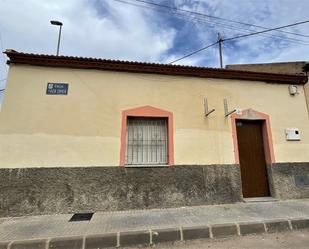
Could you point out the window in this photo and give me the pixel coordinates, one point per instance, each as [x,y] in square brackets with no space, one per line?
[147,117]
[147,141]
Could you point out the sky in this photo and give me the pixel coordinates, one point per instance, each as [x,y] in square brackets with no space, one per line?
[134,31]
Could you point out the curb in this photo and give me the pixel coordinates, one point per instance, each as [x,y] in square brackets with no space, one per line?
[101,241]
[166,235]
[278,226]
[190,233]
[160,235]
[224,230]
[246,228]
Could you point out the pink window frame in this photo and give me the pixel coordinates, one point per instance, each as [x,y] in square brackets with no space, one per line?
[250,114]
[147,111]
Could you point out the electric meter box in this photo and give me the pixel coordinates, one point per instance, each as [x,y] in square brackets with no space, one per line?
[292,134]
[293,90]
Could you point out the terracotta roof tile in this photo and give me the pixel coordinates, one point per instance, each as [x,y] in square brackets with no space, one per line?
[143,67]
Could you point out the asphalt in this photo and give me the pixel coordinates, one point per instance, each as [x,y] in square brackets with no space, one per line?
[129,228]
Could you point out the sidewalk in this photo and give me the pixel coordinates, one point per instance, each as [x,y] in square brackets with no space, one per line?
[153,226]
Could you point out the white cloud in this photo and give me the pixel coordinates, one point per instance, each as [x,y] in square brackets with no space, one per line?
[268,13]
[109,29]
[123,32]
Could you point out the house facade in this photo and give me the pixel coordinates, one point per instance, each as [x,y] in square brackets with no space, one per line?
[83,134]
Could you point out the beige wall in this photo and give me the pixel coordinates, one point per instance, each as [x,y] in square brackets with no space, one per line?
[83,128]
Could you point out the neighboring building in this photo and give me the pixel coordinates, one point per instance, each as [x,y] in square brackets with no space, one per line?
[296,67]
[83,134]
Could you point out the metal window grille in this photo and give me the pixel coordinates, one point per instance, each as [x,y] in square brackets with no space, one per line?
[147,141]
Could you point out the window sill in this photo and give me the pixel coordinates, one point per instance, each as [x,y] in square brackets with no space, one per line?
[148,166]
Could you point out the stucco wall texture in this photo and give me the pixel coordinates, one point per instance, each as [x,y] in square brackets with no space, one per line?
[36,191]
[83,128]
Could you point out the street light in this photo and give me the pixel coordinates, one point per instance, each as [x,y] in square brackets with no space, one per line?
[57,23]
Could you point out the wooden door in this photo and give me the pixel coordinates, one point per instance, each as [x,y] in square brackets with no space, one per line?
[252,158]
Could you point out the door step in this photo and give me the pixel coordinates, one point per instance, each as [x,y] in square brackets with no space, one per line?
[260,199]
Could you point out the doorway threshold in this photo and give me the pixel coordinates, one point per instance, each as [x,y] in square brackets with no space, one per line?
[260,199]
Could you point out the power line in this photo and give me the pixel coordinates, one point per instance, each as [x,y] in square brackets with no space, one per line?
[231,27]
[240,36]
[264,31]
[195,52]
[209,23]
[228,39]
[214,17]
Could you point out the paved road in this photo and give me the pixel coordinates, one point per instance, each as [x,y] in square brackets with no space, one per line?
[289,240]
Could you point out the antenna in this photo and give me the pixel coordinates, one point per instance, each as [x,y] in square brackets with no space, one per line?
[207,111]
[226,109]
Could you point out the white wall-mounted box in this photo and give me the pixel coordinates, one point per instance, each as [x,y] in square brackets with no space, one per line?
[292,134]
[293,90]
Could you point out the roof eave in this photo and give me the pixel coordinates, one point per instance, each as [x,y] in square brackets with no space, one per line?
[140,67]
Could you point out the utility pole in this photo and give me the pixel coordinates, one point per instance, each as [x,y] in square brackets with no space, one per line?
[220,49]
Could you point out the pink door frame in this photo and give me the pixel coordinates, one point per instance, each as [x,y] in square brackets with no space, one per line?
[147,111]
[251,114]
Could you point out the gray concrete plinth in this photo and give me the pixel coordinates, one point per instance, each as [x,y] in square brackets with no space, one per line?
[37,191]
